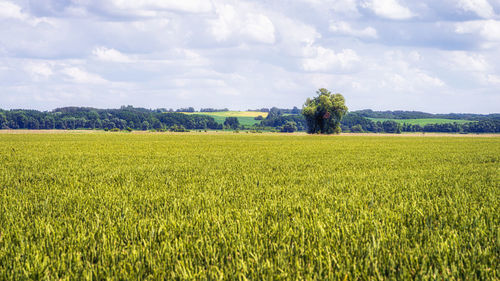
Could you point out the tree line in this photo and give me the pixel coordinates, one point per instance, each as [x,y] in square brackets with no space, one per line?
[401,114]
[354,122]
[69,118]
[278,119]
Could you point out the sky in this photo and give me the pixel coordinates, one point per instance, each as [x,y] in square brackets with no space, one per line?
[436,56]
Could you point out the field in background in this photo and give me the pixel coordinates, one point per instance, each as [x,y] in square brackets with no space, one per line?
[260,206]
[246,118]
[422,122]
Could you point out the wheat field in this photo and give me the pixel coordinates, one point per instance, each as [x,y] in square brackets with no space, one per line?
[248,206]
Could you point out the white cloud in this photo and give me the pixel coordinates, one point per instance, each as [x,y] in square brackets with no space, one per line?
[415,56]
[149,7]
[223,26]
[247,25]
[493,79]
[411,80]
[464,61]
[390,9]
[481,7]
[78,75]
[474,67]
[296,32]
[403,73]
[324,59]
[260,28]
[9,10]
[341,7]
[111,55]
[187,57]
[342,27]
[39,70]
[424,78]
[244,53]
[488,29]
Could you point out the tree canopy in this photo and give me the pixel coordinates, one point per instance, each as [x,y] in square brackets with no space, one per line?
[232,122]
[324,112]
[280,119]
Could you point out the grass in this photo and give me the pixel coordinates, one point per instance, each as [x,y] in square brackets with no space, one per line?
[246,118]
[247,121]
[422,122]
[248,206]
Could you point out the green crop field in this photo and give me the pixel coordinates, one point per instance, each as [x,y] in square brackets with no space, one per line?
[123,206]
[423,121]
[246,118]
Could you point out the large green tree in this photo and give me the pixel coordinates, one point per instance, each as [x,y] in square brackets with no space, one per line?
[324,112]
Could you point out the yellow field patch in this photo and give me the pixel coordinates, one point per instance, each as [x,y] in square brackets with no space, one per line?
[231,113]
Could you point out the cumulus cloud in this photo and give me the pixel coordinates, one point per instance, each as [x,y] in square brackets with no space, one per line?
[487,29]
[343,7]
[342,27]
[424,78]
[493,79]
[39,70]
[193,6]
[465,61]
[413,83]
[480,7]
[260,28]
[10,10]
[186,57]
[249,25]
[111,55]
[78,75]
[390,9]
[149,8]
[403,72]
[118,8]
[296,33]
[324,59]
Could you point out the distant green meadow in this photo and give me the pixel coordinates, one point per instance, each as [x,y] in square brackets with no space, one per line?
[247,121]
[246,118]
[206,206]
[422,122]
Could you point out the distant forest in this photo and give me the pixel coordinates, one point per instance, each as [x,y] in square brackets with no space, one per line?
[398,114]
[357,121]
[69,118]
[285,120]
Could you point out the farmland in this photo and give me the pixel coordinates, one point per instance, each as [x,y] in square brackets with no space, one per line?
[422,121]
[246,118]
[254,206]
